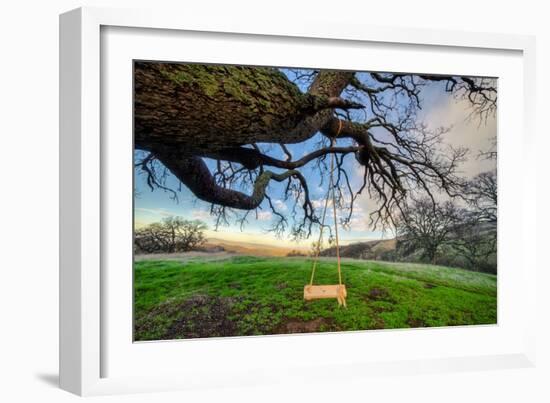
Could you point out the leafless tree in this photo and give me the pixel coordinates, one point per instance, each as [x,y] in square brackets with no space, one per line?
[475,241]
[427,226]
[243,118]
[481,194]
[173,234]
[476,238]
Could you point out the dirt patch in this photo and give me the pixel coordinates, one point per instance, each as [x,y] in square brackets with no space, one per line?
[415,322]
[199,316]
[304,326]
[235,285]
[378,309]
[379,294]
[429,286]
[378,323]
[281,286]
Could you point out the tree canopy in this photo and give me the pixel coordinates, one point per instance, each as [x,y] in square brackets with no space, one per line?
[172,234]
[220,130]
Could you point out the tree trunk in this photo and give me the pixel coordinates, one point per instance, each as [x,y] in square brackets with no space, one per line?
[195,109]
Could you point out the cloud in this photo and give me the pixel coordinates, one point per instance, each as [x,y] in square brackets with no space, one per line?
[359,220]
[464,131]
[201,215]
[359,223]
[280,205]
[264,215]
[155,211]
[320,203]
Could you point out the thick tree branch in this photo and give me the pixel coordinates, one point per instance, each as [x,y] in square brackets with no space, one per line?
[194,173]
[252,159]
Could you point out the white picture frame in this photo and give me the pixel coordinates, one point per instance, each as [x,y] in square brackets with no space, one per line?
[85,307]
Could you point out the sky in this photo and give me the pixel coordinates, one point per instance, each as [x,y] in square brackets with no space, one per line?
[438,109]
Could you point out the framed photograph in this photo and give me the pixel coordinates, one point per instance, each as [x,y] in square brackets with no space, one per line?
[244,202]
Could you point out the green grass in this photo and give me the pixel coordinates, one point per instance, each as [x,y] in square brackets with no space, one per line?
[253,296]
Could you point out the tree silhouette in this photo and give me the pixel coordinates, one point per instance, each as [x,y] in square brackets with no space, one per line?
[172,234]
[427,226]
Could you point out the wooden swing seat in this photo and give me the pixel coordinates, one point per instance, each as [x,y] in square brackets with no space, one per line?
[337,291]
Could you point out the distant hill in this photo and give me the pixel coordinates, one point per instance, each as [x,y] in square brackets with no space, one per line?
[400,250]
[249,248]
[358,250]
[363,250]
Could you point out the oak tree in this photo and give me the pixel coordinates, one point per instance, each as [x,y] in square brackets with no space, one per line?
[426,226]
[172,234]
[221,131]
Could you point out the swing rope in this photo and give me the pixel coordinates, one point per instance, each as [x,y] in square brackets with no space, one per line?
[331,188]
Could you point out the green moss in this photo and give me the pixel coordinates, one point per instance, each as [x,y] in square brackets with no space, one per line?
[236,90]
[197,75]
[265,88]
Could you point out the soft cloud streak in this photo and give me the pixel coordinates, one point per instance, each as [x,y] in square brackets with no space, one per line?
[465,131]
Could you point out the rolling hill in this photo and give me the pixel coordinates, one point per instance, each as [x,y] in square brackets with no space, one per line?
[363,250]
[250,248]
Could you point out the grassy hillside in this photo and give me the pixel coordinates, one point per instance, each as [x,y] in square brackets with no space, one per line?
[363,250]
[255,295]
[249,248]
